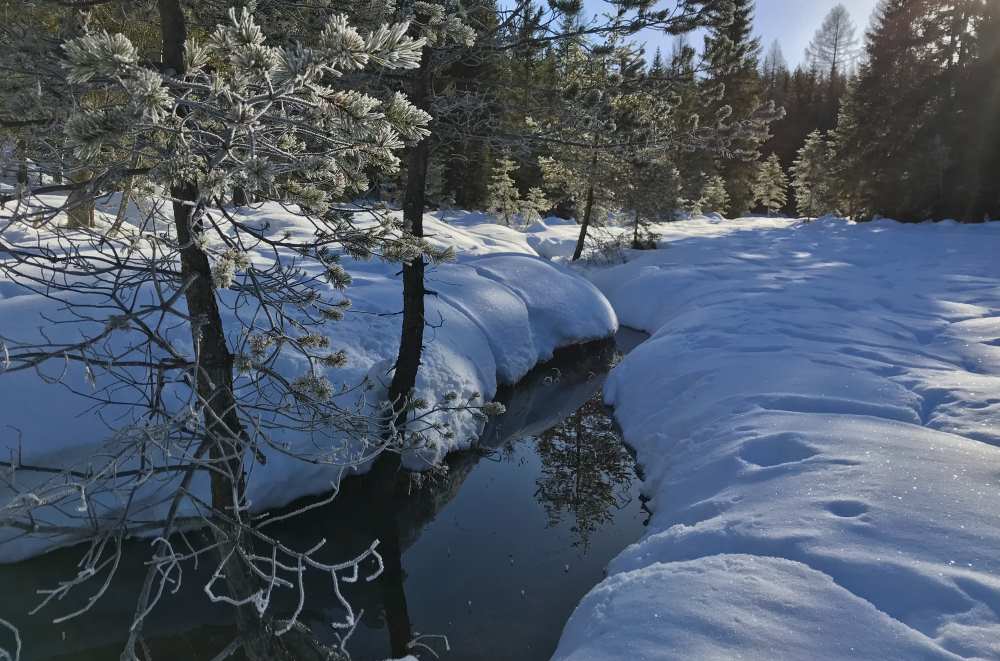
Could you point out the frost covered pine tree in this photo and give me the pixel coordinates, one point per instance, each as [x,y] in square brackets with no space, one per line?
[604,117]
[772,185]
[504,198]
[810,177]
[535,204]
[731,57]
[163,313]
[714,197]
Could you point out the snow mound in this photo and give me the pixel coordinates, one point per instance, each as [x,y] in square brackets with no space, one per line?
[816,414]
[675,613]
[497,312]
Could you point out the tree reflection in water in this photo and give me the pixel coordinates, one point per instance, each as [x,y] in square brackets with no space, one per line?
[586,471]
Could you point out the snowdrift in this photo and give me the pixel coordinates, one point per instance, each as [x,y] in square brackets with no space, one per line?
[817,416]
[499,310]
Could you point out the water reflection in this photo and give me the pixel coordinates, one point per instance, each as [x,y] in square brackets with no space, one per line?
[587,471]
[494,555]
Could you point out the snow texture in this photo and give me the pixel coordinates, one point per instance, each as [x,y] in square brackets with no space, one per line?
[817,418]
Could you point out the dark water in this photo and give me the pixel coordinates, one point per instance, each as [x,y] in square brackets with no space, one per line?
[494,553]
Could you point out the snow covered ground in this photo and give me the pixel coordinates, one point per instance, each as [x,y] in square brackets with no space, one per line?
[817,416]
[499,310]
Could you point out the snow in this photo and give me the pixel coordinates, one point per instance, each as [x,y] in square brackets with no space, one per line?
[499,310]
[816,416]
[726,607]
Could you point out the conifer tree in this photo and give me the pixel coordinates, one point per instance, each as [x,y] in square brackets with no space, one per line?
[772,185]
[811,177]
[715,197]
[652,195]
[832,54]
[535,204]
[833,49]
[601,119]
[848,182]
[440,32]
[689,99]
[226,107]
[731,56]
[504,199]
[774,74]
[917,107]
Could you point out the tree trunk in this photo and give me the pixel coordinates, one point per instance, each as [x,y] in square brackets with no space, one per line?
[240,197]
[20,153]
[411,341]
[80,202]
[635,234]
[578,253]
[585,225]
[214,377]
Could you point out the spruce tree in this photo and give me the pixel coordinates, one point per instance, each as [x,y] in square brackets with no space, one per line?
[715,197]
[504,199]
[534,204]
[772,185]
[811,177]
[918,121]
[689,99]
[731,56]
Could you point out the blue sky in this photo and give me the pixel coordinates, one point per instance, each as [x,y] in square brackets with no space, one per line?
[791,22]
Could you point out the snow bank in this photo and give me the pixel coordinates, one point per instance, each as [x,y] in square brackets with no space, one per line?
[498,311]
[816,414]
[555,238]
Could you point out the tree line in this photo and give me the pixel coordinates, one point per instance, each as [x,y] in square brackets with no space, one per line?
[902,124]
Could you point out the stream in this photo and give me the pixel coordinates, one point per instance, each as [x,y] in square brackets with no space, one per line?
[491,555]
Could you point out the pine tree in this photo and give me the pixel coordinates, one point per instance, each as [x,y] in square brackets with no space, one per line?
[772,185]
[811,177]
[732,54]
[918,122]
[715,197]
[441,31]
[224,108]
[534,205]
[504,199]
[601,118]
[653,195]
[461,140]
